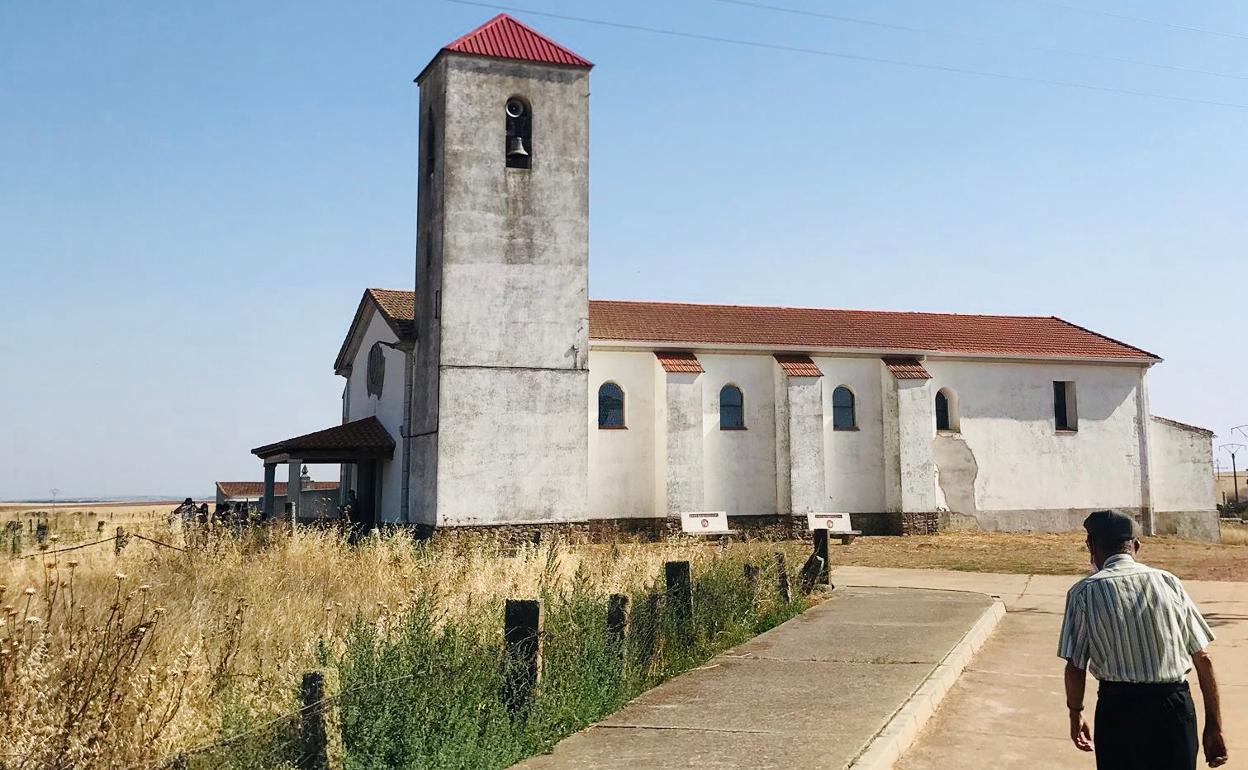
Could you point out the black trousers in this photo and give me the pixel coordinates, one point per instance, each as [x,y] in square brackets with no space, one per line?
[1145,727]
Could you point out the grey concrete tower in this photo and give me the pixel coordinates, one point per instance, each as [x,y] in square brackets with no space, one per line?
[500,386]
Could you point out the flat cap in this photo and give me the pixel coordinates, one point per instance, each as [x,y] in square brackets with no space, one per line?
[1109,526]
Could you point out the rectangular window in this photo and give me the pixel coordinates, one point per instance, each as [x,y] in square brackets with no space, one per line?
[1065,413]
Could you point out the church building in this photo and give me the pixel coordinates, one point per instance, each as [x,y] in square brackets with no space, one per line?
[496,393]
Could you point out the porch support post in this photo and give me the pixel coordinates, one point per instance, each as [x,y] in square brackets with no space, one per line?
[270,474]
[294,486]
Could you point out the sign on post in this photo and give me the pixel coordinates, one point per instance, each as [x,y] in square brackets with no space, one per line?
[704,523]
[833,522]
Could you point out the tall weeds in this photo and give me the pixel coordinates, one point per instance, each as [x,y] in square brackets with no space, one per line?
[122,661]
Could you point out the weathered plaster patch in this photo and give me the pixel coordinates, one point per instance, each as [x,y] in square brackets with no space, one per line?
[956,471]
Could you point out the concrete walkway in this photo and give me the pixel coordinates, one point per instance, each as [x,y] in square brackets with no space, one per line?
[1008,708]
[813,692]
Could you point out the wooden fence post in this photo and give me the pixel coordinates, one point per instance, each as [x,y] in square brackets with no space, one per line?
[782,577]
[809,574]
[119,541]
[821,550]
[617,623]
[751,575]
[522,645]
[679,594]
[320,728]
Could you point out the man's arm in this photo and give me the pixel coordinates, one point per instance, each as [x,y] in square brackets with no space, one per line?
[1215,744]
[1076,681]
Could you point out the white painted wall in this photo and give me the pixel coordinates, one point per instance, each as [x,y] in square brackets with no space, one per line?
[388,409]
[1182,464]
[1018,461]
[1024,463]
[622,462]
[739,465]
[854,459]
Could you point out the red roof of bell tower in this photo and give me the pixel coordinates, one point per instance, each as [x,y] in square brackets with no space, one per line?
[503,37]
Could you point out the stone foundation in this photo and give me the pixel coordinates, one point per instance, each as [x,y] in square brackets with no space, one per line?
[914,523]
[1195,525]
[767,527]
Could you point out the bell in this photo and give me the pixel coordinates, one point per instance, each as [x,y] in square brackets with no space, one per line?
[516,148]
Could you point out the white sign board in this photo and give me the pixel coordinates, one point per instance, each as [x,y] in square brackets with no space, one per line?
[704,523]
[832,522]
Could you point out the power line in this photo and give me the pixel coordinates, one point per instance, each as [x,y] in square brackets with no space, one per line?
[1137,19]
[976,38]
[854,57]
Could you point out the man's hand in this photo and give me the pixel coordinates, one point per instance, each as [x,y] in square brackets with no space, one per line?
[1215,746]
[1081,734]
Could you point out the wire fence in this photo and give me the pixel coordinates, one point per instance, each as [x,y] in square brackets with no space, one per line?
[488,699]
[422,690]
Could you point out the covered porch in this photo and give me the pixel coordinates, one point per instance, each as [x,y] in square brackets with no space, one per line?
[362,443]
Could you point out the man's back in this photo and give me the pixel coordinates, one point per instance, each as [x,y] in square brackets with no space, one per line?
[1133,623]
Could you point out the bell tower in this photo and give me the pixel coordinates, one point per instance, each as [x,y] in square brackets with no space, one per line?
[500,387]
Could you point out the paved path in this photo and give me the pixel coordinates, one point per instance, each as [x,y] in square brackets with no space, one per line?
[1008,709]
[810,693]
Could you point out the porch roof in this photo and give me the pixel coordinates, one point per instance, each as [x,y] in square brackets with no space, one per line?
[365,439]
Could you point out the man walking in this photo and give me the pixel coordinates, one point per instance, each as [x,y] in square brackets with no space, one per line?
[1140,633]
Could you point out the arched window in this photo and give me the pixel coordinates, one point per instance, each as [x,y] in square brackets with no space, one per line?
[610,406]
[946,411]
[518,144]
[376,374]
[731,408]
[843,416]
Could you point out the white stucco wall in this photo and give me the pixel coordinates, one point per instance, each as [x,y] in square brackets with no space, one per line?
[684,472]
[388,409]
[622,462]
[1021,462]
[854,459]
[1182,464]
[739,465]
[1008,464]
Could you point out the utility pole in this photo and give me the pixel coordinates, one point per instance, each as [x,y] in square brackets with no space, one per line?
[1232,449]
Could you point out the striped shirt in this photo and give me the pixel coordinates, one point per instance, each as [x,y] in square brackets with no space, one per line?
[1132,623]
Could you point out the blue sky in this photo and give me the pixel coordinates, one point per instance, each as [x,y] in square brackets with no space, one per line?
[193,196]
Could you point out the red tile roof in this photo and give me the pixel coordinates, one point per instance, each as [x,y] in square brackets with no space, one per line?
[822,329]
[852,329]
[398,308]
[256,488]
[503,37]
[674,362]
[798,366]
[357,439]
[906,368]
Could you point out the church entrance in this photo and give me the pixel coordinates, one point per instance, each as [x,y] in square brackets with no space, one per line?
[362,444]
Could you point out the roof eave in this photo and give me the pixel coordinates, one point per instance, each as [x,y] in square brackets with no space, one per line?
[342,365]
[447,52]
[740,347]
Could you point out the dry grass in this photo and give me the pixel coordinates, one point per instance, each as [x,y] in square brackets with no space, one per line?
[1234,533]
[113,661]
[75,523]
[1044,554]
[109,661]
